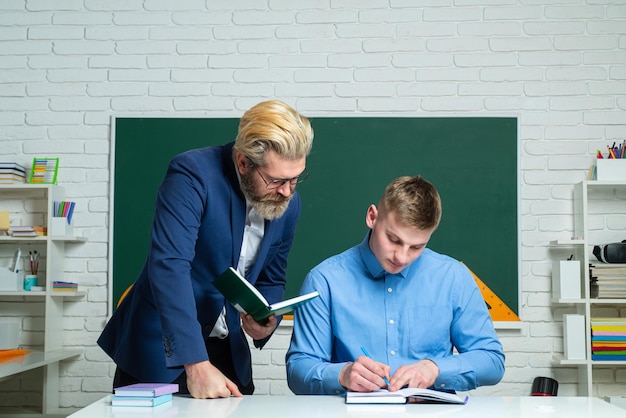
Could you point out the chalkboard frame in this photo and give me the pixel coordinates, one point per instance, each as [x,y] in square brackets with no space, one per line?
[455,150]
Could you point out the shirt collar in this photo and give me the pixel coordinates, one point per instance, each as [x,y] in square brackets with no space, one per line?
[371,262]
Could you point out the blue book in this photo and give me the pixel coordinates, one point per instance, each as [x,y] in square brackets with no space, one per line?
[608,357]
[140,400]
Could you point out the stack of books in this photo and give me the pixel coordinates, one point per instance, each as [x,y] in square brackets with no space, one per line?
[608,339]
[58,286]
[144,394]
[22,231]
[608,280]
[11,173]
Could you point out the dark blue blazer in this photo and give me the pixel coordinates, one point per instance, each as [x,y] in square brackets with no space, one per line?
[197,233]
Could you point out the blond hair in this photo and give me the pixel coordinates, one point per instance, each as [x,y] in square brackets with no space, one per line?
[414,201]
[273,125]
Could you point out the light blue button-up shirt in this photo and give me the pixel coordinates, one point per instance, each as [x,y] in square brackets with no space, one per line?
[432,309]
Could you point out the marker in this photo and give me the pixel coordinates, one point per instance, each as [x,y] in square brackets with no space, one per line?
[611,154]
[368,356]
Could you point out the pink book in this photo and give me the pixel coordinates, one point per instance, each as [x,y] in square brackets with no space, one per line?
[147,389]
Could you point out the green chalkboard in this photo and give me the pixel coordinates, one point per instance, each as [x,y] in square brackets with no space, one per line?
[472,162]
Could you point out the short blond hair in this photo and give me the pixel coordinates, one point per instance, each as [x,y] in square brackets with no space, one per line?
[414,201]
[273,125]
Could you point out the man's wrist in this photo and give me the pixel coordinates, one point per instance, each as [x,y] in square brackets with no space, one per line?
[343,381]
[435,367]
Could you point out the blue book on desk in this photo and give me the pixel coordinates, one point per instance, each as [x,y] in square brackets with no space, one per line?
[140,400]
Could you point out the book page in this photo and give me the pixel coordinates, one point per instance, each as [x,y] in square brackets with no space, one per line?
[292,303]
[400,396]
[430,394]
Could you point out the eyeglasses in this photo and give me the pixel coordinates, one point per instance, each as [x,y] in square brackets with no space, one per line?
[274,184]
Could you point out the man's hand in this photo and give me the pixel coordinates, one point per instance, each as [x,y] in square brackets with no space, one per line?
[205,381]
[364,375]
[417,375]
[258,330]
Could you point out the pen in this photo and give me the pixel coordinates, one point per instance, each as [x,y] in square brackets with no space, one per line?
[368,356]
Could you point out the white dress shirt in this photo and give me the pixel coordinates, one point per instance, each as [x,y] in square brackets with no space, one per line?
[252,236]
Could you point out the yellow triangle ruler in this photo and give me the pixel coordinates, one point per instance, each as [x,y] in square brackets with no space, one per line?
[498,310]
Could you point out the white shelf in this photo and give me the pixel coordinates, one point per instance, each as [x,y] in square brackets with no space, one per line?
[39,294]
[605,301]
[567,242]
[34,360]
[583,362]
[565,301]
[603,192]
[34,203]
[8,238]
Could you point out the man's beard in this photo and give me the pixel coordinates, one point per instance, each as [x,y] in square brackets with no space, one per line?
[269,206]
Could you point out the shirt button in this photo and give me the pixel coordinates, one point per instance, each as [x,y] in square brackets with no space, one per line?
[391,321]
[392,352]
[389,290]
[443,385]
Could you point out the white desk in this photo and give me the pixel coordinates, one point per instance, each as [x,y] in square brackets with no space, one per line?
[260,406]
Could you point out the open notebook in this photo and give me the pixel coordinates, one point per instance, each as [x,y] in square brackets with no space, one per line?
[407,395]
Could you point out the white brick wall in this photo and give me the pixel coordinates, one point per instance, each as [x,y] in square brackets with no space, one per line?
[559,65]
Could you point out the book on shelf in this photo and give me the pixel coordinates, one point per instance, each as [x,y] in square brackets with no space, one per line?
[607,280]
[140,400]
[146,389]
[40,230]
[12,171]
[247,299]
[12,166]
[59,286]
[608,338]
[5,221]
[608,270]
[12,175]
[22,231]
[407,395]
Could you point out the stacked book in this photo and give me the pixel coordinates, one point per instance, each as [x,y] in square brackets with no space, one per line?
[608,339]
[12,173]
[144,394]
[608,280]
[22,231]
[59,286]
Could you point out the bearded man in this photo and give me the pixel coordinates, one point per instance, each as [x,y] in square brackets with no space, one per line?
[217,207]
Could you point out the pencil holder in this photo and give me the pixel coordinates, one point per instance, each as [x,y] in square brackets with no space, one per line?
[611,169]
[566,279]
[9,280]
[30,280]
[59,227]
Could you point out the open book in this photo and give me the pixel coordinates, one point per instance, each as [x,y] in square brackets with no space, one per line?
[410,395]
[247,299]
